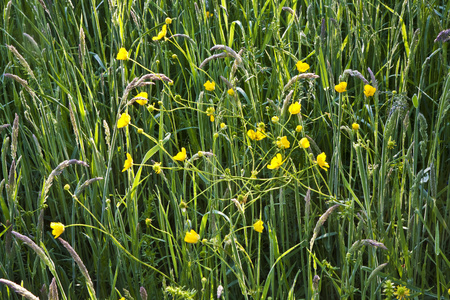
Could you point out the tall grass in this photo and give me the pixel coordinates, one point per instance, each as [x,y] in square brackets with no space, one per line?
[376,221]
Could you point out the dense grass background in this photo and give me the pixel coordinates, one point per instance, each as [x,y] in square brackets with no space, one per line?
[62,91]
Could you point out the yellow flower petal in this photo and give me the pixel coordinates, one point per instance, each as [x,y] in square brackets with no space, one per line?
[230,92]
[283,143]
[298,128]
[302,67]
[276,162]
[161,34]
[180,155]
[191,237]
[124,120]
[122,54]
[341,87]
[142,95]
[258,226]
[321,161]
[210,86]
[355,126]
[304,142]
[128,163]
[58,228]
[294,108]
[369,90]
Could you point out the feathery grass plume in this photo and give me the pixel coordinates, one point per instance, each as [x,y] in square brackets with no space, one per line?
[6,14]
[208,59]
[366,242]
[11,179]
[32,41]
[229,85]
[286,101]
[22,60]
[45,8]
[143,293]
[323,32]
[15,134]
[298,77]
[307,203]
[200,154]
[291,11]
[82,44]
[236,64]
[107,135]
[53,290]
[19,289]
[85,184]
[80,265]
[372,276]
[73,121]
[4,126]
[22,82]
[319,224]
[443,36]
[185,36]
[57,171]
[372,78]
[355,73]
[229,51]
[36,249]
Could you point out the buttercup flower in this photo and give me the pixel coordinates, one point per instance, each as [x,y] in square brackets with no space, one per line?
[294,108]
[355,126]
[208,14]
[321,161]
[142,95]
[210,86]
[230,92]
[298,128]
[180,155]
[124,120]
[128,163]
[283,143]
[256,136]
[191,237]
[402,292]
[58,228]
[161,34]
[341,87]
[168,21]
[304,142]
[369,90]
[302,67]
[276,162]
[258,226]
[210,113]
[157,167]
[122,54]
[275,119]
[223,125]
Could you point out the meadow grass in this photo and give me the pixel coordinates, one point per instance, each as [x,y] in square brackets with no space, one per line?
[368,221]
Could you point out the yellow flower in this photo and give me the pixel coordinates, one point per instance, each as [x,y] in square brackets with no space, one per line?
[210,113]
[128,163]
[58,228]
[157,167]
[402,292]
[123,54]
[275,119]
[302,67]
[391,143]
[142,95]
[180,155]
[304,142]
[355,126]
[321,161]
[230,92]
[223,125]
[208,14]
[168,21]
[298,128]
[161,34]
[283,143]
[341,87]
[369,90]
[276,162]
[191,237]
[256,136]
[294,108]
[210,86]
[124,120]
[258,226]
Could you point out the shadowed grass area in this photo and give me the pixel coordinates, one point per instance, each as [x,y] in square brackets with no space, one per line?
[349,180]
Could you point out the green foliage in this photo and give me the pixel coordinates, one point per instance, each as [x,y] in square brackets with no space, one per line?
[372,224]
